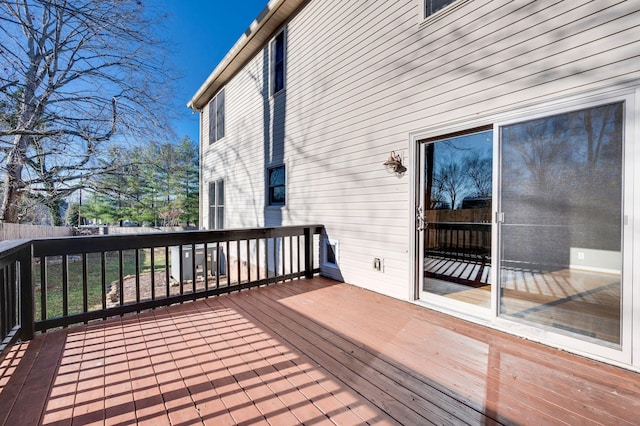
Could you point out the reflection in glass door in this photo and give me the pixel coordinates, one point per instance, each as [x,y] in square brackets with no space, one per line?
[455,217]
[561,230]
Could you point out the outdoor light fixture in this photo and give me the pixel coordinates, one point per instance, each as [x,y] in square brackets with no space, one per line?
[394,164]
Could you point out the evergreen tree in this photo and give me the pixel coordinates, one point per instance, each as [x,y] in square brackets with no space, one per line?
[188,178]
[156,184]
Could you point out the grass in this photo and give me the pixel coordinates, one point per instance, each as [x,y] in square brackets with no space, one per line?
[94,279]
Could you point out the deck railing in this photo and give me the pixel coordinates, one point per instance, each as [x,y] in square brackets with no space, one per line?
[81,279]
[16,292]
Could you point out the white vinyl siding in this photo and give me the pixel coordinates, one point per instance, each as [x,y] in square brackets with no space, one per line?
[362,76]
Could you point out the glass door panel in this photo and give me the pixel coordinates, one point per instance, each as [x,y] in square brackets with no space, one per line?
[561,213]
[455,214]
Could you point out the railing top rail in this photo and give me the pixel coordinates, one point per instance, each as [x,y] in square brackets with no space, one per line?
[88,244]
[10,250]
[458,224]
[19,256]
[10,246]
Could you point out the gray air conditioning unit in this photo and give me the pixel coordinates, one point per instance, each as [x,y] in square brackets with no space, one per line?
[213,258]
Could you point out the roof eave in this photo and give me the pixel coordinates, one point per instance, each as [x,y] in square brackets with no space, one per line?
[272,17]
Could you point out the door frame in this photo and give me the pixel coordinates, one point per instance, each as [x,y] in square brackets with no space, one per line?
[628,355]
[416,147]
[476,311]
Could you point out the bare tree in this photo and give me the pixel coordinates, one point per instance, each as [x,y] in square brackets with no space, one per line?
[451,182]
[480,174]
[598,126]
[76,74]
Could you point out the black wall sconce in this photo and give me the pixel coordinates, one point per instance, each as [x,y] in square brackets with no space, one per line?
[394,164]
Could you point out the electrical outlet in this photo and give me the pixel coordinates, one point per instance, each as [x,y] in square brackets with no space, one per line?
[378,264]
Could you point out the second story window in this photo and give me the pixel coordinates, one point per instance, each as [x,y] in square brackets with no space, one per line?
[278,54]
[432,6]
[216,117]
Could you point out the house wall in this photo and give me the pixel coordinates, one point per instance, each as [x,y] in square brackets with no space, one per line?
[363,75]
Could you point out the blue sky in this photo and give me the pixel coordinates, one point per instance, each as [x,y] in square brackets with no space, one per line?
[201,32]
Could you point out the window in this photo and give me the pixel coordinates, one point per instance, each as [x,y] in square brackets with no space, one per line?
[216,117]
[432,6]
[278,53]
[216,204]
[277,186]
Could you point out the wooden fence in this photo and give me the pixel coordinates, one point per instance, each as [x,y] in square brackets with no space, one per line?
[16,231]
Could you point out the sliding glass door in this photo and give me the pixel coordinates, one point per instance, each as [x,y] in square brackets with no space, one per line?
[561,222]
[455,217]
[522,223]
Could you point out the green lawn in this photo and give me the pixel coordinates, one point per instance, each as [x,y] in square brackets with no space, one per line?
[94,279]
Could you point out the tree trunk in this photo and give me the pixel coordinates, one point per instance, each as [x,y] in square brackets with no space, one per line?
[29,115]
[13,183]
[54,211]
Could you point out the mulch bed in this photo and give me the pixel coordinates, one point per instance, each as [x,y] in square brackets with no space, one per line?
[160,284]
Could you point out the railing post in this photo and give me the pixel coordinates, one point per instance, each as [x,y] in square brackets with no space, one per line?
[308,253]
[27,320]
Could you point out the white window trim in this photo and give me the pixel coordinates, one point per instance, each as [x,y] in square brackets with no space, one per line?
[268,186]
[213,103]
[215,205]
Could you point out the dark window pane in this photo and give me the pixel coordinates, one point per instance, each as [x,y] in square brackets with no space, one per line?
[216,117]
[220,200]
[212,205]
[276,176]
[278,195]
[278,54]
[432,6]
[278,79]
[212,218]
[220,218]
[212,121]
[212,193]
[279,48]
[220,115]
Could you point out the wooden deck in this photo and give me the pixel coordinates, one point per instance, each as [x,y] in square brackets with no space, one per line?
[305,352]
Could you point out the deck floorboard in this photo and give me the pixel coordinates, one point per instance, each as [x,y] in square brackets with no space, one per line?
[304,352]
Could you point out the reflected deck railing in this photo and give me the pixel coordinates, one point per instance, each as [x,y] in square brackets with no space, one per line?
[460,240]
[57,282]
[458,252]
